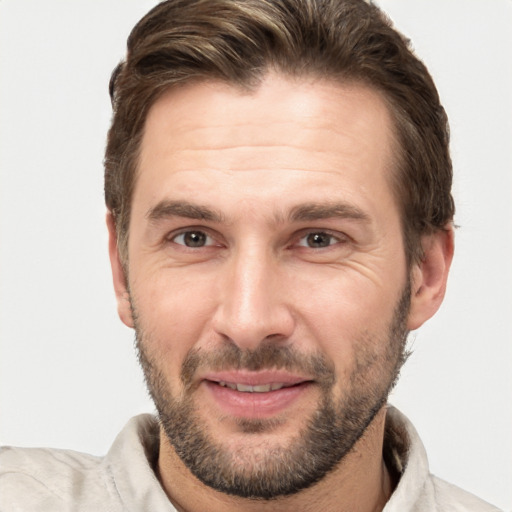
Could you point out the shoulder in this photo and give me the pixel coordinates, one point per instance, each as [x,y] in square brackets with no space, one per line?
[46,479]
[450,498]
[418,489]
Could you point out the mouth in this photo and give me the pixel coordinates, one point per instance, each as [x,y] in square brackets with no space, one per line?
[261,388]
[255,394]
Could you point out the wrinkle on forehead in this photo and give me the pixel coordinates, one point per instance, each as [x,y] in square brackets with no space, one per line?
[201,111]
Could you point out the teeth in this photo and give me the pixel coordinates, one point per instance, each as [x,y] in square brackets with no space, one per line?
[263,388]
[245,388]
[227,385]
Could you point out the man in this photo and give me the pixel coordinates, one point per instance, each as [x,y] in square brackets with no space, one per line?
[278,182]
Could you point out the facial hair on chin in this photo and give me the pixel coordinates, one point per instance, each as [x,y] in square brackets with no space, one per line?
[327,436]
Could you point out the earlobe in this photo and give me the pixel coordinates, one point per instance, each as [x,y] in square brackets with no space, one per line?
[118,275]
[430,275]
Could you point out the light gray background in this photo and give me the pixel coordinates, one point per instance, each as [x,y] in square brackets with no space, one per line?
[68,374]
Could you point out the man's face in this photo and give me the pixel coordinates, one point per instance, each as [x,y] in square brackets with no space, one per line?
[267,277]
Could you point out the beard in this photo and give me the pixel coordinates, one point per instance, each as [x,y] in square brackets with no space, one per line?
[328,435]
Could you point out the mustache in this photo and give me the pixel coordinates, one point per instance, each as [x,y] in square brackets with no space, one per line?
[267,356]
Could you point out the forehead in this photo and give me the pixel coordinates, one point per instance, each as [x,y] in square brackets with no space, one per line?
[299,135]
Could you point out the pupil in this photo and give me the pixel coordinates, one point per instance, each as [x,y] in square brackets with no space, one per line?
[194,239]
[319,240]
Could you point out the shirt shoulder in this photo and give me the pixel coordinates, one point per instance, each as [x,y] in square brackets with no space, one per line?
[41,479]
[450,498]
[418,490]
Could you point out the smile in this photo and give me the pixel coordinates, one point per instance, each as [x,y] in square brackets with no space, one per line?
[262,388]
[265,394]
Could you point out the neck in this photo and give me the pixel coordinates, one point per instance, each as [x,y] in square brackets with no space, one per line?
[360,482]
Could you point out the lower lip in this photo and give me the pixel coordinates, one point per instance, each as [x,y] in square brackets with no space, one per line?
[255,405]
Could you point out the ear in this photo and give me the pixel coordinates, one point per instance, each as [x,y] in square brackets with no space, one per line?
[118,275]
[429,276]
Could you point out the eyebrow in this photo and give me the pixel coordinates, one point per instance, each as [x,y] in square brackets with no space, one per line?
[301,213]
[166,209]
[318,211]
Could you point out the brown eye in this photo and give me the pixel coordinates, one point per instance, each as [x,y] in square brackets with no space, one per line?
[317,240]
[192,239]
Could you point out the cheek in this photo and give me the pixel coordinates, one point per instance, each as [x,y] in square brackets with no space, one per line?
[173,312]
[346,313]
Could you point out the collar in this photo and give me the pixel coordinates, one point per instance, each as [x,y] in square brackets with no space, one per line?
[132,458]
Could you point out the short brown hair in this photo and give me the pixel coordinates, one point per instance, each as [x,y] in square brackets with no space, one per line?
[238,41]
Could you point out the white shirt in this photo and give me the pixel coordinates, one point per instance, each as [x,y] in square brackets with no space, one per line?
[42,479]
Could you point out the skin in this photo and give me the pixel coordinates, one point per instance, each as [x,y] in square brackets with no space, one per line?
[254,159]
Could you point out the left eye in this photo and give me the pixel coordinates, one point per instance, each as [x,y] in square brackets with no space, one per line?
[318,240]
[193,239]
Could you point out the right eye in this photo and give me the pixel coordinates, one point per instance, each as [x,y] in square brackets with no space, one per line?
[193,239]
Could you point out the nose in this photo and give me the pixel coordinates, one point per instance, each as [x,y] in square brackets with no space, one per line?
[253,306]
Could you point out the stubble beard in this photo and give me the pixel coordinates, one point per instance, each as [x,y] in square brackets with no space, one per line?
[319,447]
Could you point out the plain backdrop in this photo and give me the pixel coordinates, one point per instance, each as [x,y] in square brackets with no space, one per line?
[68,372]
